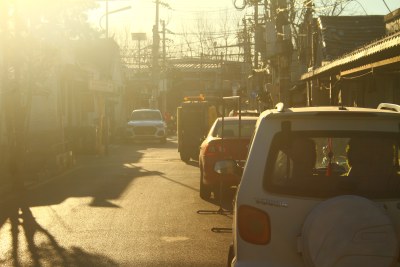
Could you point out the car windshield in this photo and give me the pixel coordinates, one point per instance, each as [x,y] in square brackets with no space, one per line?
[146,115]
[330,164]
[231,128]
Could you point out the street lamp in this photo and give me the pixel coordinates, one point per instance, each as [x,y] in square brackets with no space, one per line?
[139,36]
[108,13]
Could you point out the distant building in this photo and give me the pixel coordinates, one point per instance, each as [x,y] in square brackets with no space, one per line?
[92,94]
[184,77]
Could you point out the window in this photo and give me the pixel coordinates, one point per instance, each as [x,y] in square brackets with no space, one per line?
[321,164]
[231,128]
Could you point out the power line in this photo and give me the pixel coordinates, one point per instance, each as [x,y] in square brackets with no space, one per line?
[387,6]
[203,10]
[220,33]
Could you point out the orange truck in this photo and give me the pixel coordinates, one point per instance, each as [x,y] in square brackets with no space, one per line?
[195,116]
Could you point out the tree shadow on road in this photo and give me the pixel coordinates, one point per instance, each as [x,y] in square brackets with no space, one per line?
[32,245]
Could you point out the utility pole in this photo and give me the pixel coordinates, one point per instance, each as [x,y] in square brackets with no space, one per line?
[3,77]
[284,56]
[222,75]
[3,23]
[139,56]
[164,46]
[309,46]
[247,45]
[201,72]
[164,65]
[155,69]
[246,52]
[139,36]
[308,20]
[256,32]
[106,19]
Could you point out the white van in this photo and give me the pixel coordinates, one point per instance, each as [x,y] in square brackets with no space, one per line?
[321,187]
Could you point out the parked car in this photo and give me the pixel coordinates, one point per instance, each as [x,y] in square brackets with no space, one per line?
[146,124]
[300,204]
[246,112]
[224,141]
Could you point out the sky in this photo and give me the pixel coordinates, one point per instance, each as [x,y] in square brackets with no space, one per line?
[184,14]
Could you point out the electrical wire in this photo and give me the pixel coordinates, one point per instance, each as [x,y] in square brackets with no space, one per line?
[220,33]
[203,11]
[362,7]
[387,6]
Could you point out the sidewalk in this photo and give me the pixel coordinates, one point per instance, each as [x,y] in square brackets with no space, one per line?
[31,177]
[34,179]
[7,190]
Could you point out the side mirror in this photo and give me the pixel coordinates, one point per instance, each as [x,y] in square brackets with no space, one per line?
[228,167]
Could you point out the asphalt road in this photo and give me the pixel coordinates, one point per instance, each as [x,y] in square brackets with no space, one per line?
[137,206]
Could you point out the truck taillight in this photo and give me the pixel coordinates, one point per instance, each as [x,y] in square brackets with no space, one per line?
[254,225]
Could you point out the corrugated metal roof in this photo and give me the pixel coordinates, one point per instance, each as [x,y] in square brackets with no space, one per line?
[379,46]
[191,65]
[342,34]
[195,66]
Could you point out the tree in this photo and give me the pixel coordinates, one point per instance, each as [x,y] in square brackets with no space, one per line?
[227,25]
[32,33]
[188,41]
[336,7]
[209,38]
[300,11]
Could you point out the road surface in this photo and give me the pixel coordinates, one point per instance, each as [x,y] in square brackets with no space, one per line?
[138,206]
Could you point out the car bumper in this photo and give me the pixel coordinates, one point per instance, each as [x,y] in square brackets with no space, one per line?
[157,134]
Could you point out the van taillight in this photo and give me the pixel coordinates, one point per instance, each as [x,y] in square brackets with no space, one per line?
[254,225]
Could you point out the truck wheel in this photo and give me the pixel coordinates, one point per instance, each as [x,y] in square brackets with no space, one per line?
[231,255]
[205,191]
[184,156]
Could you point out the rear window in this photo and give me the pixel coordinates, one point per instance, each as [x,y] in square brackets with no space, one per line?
[321,164]
[231,128]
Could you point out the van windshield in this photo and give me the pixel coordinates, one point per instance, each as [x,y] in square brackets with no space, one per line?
[321,164]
